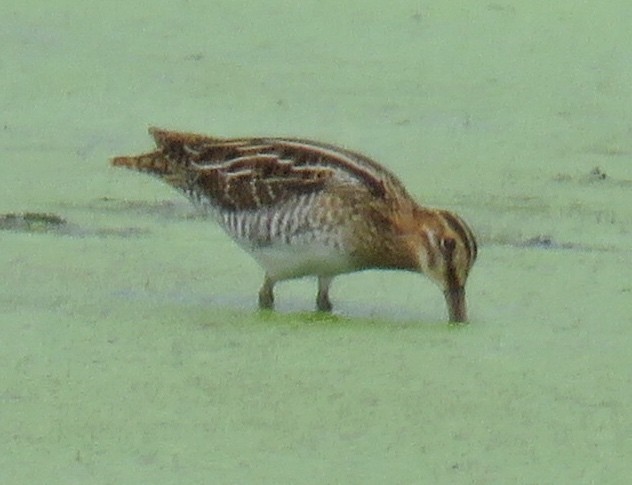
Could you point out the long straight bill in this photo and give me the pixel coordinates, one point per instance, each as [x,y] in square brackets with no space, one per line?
[457,308]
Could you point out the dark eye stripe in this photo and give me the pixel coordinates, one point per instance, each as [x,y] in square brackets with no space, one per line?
[465,234]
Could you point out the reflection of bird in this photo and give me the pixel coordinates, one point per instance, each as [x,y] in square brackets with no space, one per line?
[307,208]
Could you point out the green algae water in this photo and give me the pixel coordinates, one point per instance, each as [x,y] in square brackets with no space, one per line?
[131,348]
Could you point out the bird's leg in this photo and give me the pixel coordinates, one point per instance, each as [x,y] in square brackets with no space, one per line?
[266,294]
[323,304]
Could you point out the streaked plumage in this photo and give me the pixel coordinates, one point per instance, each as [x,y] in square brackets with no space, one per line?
[306,208]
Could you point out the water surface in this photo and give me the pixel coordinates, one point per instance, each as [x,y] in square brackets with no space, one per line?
[131,348]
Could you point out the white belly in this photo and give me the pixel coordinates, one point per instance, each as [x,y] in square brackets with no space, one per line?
[282,261]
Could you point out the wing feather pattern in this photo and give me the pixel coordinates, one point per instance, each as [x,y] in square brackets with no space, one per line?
[250,173]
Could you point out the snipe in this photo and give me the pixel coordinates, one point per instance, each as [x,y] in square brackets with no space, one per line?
[306,208]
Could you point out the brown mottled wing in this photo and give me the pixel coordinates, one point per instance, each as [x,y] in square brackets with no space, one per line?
[250,173]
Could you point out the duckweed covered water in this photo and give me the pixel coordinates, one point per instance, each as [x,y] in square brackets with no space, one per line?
[131,348]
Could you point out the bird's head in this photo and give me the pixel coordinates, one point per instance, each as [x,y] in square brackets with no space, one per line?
[447,253]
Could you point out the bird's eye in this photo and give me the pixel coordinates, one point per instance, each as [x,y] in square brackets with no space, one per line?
[448,244]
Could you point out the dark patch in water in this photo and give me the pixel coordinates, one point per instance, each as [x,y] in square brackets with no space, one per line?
[544,241]
[596,175]
[32,222]
[44,222]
